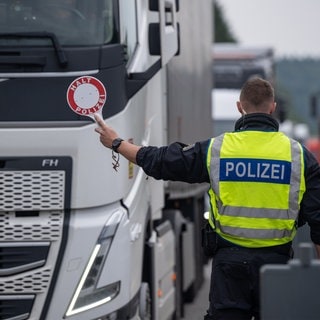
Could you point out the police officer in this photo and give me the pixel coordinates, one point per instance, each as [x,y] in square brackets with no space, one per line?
[262,185]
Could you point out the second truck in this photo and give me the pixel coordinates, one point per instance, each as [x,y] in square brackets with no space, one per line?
[78,239]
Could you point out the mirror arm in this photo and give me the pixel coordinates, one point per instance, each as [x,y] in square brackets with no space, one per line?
[136,81]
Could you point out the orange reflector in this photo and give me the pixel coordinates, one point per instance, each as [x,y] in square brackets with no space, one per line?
[174,277]
[160,293]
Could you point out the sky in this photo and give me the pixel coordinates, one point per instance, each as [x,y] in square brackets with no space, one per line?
[291,27]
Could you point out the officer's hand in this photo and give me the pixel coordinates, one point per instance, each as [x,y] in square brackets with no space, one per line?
[107,134]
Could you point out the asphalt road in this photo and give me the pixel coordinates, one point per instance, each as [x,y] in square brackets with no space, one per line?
[197,309]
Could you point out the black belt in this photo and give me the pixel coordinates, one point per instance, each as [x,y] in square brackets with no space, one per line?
[285,249]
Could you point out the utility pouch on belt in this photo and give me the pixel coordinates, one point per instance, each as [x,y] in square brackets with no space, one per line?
[209,240]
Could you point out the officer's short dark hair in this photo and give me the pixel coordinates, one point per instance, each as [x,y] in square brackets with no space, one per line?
[257,93]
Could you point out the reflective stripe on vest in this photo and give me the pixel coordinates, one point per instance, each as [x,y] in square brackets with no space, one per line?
[255,199]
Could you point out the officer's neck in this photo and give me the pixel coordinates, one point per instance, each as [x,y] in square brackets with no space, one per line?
[257,121]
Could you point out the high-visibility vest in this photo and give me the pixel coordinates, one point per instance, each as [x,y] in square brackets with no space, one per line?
[257,183]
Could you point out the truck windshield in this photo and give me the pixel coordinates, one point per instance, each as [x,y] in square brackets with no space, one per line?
[74,22]
[233,74]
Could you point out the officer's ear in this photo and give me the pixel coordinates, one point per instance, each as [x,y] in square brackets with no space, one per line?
[273,108]
[240,108]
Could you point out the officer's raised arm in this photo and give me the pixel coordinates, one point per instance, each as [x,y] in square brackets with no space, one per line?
[110,139]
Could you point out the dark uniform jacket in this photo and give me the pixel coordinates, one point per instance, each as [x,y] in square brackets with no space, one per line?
[180,162]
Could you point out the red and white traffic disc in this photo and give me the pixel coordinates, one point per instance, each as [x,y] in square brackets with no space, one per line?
[86,95]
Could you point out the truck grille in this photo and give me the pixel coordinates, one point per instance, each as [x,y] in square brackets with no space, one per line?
[32,214]
[21,313]
[31,190]
[38,226]
[35,282]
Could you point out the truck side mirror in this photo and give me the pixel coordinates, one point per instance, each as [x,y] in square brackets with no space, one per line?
[163,41]
[164,36]
[154,5]
[313,106]
[281,110]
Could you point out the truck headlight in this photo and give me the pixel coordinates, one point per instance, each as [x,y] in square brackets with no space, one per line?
[87,295]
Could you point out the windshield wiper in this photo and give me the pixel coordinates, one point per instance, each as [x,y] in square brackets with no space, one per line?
[62,58]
